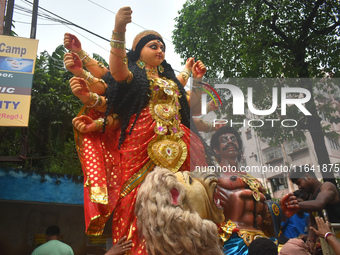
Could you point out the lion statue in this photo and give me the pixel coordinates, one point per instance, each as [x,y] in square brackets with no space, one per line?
[171,221]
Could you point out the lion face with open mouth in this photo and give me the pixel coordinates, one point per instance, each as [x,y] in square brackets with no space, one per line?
[199,196]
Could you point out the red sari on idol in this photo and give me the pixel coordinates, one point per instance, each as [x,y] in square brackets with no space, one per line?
[113,176]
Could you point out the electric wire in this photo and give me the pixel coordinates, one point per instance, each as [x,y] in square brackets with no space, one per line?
[131,21]
[58,19]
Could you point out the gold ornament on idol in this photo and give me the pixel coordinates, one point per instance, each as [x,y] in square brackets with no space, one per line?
[117,40]
[186,74]
[167,149]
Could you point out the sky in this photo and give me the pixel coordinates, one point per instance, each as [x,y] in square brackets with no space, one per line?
[98,16]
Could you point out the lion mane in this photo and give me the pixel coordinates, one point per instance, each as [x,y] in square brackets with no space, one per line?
[165,226]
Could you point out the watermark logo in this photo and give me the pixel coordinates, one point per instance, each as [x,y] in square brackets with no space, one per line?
[239,99]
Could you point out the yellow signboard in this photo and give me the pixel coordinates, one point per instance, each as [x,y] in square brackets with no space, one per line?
[17,61]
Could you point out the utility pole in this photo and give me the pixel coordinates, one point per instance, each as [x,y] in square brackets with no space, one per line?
[9,17]
[34,19]
[2,15]
[24,130]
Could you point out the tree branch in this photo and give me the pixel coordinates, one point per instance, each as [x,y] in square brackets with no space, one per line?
[278,32]
[309,21]
[272,24]
[327,29]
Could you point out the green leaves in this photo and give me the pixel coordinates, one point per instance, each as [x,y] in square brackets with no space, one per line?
[268,39]
[261,38]
[52,108]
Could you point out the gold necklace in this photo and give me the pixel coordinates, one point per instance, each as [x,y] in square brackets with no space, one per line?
[153,71]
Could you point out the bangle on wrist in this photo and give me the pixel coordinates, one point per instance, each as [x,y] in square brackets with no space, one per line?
[87,77]
[118,36]
[117,41]
[95,98]
[328,234]
[187,71]
[117,44]
[100,104]
[186,74]
[84,56]
[99,123]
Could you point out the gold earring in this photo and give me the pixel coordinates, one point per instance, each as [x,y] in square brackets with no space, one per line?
[141,64]
[160,68]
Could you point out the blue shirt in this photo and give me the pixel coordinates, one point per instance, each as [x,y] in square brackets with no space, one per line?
[295,225]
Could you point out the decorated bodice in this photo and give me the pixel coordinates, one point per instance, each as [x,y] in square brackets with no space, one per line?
[167,149]
[164,106]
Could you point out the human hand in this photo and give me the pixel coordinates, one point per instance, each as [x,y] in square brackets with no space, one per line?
[323,227]
[72,43]
[190,63]
[289,205]
[212,106]
[120,247]
[198,69]
[84,124]
[123,17]
[80,89]
[73,63]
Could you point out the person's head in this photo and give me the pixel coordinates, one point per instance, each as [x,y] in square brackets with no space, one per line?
[226,143]
[149,47]
[142,34]
[52,232]
[262,246]
[301,195]
[294,246]
[304,178]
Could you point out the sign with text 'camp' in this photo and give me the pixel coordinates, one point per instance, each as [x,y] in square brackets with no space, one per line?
[17,61]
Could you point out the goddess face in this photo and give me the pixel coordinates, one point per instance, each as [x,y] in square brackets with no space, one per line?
[199,196]
[153,53]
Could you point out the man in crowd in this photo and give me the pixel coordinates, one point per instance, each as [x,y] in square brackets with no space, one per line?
[53,246]
[322,196]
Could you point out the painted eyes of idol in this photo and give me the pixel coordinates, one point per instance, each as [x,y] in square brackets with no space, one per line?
[155,46]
